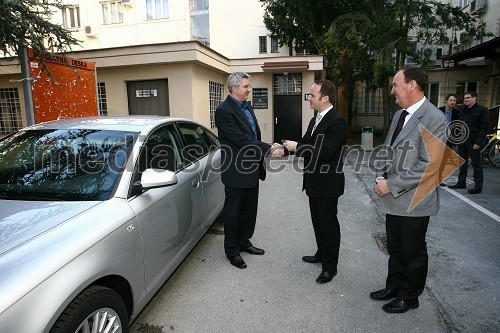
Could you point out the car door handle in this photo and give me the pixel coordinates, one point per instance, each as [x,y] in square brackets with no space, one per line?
[195,183]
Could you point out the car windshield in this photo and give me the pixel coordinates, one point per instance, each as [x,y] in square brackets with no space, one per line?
[69,165]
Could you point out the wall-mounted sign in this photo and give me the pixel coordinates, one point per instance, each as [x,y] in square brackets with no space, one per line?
[146,93]
[259,98]
[70,92]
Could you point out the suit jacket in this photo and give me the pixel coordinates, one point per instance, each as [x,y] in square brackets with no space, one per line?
[242,152]
[454,112]
[322,152]
[408,161]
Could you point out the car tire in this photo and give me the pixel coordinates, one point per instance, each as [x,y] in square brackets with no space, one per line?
[95,308]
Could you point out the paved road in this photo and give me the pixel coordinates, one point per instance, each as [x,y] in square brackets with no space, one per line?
[278,292]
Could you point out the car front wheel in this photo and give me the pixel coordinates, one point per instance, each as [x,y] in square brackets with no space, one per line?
[95,310]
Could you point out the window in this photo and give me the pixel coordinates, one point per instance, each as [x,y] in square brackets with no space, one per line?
[197,142]
[433,93]
[112,12]
[495,95]
[156,9]
[216,91]
[101,99]
[290,84]
[368,101]
[161,150]
[262,44]
[274,45]
[71,16]
[10,111]
[463,3]
[200,21]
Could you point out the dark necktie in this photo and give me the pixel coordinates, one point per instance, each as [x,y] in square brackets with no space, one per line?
[250,118]
[401,122]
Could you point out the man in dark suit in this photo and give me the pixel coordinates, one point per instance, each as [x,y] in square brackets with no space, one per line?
[323,180]
[477,119]
[406,185]
[242,155]
[451,113]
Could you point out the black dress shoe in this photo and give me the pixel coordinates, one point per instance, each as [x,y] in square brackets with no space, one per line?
[399,305]
[384,294]
[457,185]
[237,261]
[325,277]
[253,250]
[311,259]
[474,191]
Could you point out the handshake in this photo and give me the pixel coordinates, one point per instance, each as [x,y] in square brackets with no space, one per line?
[277,150]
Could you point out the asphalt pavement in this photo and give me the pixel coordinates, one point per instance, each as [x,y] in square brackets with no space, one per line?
[278,292]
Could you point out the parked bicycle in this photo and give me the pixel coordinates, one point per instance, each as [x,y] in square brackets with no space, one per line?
[490,149]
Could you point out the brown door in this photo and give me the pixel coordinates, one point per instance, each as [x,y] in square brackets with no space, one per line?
[287,117]
[148,97]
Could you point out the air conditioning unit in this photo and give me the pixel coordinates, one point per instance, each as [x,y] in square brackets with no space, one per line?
[464,38]
[91,31]
[429,54]
[127,3]
[477,6]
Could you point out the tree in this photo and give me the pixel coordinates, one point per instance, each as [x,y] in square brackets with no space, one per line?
[366,40]
[25,24]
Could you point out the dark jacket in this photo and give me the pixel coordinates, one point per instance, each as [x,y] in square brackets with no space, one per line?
[454,112]
[242,152]
[322,152]
[477,119]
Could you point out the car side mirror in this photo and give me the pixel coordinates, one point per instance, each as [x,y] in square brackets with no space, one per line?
[153,178]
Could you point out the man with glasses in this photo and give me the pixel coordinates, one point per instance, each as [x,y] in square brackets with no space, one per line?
[476,120]
[242,155]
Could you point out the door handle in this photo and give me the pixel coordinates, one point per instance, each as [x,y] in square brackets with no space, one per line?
[195,183]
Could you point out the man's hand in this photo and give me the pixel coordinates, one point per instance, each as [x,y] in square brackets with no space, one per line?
[476,146]
[381,187]
[290,145]
[277,150]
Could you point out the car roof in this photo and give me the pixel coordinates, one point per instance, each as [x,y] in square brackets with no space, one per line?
[139,123]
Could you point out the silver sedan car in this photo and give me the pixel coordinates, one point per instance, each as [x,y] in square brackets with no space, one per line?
[96,213]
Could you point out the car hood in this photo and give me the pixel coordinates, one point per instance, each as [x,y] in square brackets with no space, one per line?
[21,221]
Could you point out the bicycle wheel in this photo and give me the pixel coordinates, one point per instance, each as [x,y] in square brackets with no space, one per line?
[494,154]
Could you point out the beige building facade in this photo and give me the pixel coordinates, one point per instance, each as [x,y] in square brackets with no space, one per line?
[173,58]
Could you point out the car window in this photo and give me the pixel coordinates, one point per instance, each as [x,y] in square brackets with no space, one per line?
[161,150]
[198,143]
[73,164]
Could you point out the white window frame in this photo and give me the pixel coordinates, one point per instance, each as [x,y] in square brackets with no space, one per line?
[71,17]
[156,9]
[112,12]
[262,44]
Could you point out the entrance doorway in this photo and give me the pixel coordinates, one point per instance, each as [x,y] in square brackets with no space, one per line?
[287,91]
[149,97]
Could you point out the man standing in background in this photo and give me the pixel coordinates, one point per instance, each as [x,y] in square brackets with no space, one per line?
[477,119]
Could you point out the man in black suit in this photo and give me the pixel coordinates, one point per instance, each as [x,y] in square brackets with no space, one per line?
[477,120]
[242,155]
[321,147]
[451,113]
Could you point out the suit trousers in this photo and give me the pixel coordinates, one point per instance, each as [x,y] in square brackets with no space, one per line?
[408,259]
[464,150]
[240,214]
[326,230]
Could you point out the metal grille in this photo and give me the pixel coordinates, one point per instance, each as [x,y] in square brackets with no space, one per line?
[216,91]
[289,84]
[101,99]
[262,44]
[10,111]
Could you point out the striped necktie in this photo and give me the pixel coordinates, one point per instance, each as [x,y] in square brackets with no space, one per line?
[318,119]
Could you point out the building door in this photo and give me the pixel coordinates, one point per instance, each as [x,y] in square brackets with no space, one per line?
[148,97]
[287,91]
